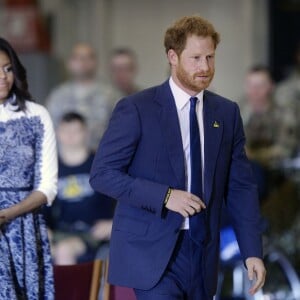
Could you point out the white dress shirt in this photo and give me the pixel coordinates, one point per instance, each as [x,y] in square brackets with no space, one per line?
[182,101]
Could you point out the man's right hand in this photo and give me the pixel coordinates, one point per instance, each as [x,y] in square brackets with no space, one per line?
[184,203]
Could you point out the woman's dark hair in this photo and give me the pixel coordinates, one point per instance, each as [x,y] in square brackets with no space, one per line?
[20,86]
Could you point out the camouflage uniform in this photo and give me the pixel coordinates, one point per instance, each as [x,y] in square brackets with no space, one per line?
[287,95]
[271,135]
[288,91]
[95,103]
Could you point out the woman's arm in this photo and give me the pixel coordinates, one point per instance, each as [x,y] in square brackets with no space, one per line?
[46,165]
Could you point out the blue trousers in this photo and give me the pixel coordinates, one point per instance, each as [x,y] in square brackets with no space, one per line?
[183,278]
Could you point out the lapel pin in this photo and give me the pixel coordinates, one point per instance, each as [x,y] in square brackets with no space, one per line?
[216,124]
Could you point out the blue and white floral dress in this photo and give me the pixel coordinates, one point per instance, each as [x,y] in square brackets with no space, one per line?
[28,162]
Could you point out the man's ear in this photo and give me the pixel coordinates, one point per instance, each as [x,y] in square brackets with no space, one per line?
[172,57]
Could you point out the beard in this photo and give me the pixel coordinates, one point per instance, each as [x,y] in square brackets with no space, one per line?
[192,81]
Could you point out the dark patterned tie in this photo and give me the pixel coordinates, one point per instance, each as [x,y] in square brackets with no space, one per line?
[197,222]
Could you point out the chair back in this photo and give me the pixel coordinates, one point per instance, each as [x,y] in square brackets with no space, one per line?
[80,281]
[121,293]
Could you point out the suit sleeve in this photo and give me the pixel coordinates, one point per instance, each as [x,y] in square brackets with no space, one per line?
[242,197]
[109,173]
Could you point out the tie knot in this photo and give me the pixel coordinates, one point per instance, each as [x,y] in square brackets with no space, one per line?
[193,101]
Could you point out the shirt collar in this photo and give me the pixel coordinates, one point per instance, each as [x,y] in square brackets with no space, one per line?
[181,97]
[11,101]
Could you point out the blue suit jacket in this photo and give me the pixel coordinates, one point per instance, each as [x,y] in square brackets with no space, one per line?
[141,156]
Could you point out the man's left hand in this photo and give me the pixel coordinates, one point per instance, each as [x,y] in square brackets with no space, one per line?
[256,273]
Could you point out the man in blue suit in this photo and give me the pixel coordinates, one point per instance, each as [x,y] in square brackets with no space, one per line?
[172,156]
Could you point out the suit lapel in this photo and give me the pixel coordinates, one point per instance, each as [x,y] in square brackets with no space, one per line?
[170,127]
[213,132]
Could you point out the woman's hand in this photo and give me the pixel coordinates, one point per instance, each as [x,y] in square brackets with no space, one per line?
[3,217]
[29,204]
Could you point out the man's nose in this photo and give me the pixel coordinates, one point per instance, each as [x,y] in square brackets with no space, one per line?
[203,65]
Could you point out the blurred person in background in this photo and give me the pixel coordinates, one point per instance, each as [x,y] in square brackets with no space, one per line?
[270,130]
[28,180]
[271,137]
[287,93]
[80,219]
[83,93]
[123,70]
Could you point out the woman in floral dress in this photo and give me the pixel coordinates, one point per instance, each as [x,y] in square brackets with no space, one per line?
[28,178]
